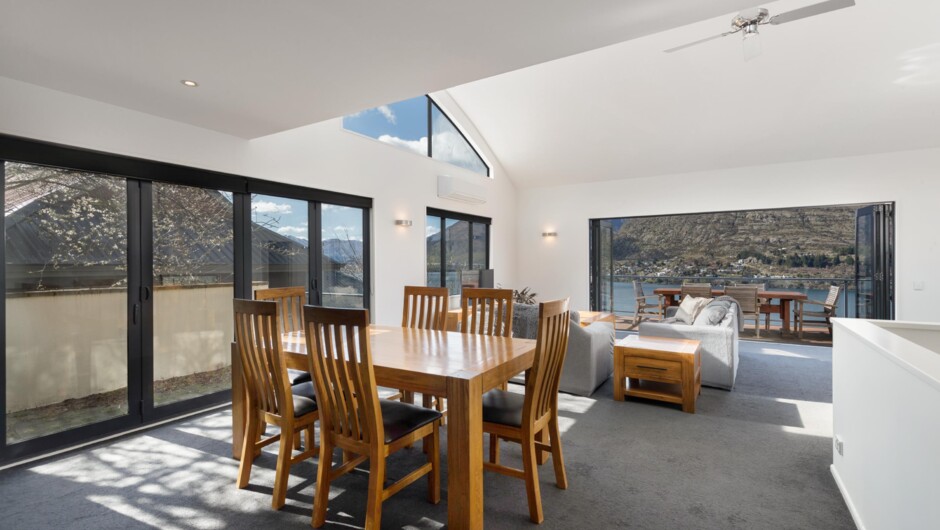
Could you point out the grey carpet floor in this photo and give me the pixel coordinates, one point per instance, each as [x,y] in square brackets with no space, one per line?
[757,457]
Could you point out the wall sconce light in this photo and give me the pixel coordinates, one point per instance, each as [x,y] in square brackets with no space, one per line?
[403,222]
[549,234]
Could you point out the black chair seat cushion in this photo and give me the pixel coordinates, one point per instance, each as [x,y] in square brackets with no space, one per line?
[297,377]
[505,408]
[304,390]
[400,418]
[305,401]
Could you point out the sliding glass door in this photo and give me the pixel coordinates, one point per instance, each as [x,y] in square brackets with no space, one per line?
[602,265]
[118,279]
[874,261]
[343,230]
[66,256]
[193,286]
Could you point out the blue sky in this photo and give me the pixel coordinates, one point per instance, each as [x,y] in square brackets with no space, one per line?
[403,124]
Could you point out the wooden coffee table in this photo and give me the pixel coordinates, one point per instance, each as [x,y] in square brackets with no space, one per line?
[658,368]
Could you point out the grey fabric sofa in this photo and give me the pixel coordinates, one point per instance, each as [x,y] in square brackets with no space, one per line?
[589,360]
[719,345]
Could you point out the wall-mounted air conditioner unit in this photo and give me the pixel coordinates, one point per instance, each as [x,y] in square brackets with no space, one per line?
[460,190]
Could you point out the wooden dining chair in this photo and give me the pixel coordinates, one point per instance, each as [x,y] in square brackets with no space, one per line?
[270,399]
[354,419]
[486,311]
[746,297]
[520,418]
[425,308]
[290,302]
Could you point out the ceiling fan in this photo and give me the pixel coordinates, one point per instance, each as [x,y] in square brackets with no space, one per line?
[747,22]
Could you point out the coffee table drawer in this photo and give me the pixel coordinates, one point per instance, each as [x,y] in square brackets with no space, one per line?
[653,369]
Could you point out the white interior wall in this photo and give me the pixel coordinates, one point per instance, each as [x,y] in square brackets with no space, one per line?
[323,155]
[558,267]
[887,469]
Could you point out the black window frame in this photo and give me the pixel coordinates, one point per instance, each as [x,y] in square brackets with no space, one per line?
[140,173]
[432,103]
[443,215]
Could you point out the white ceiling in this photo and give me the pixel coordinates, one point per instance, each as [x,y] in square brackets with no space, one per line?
[861,80]
[265,67]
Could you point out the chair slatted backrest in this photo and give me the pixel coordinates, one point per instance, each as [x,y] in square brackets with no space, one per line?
[486,311]
[264,370]
[425,308]
[698,290]
[638,290]
[745,296]
[290,303]
[541,392]
[340,359]
[832,299]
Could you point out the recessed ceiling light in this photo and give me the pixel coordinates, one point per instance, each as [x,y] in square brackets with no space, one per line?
[190,84]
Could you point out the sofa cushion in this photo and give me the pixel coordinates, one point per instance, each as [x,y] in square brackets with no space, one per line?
[525,321]
[690,308]
[712,314]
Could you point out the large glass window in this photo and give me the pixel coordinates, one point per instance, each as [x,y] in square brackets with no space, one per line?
[280,240]
[450,145]
[193,280]
[343,267]
[66,299]
[403,124]
[408,125]
[461,246]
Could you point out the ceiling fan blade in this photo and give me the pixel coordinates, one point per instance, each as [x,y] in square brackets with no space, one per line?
[810,11]
[700,41]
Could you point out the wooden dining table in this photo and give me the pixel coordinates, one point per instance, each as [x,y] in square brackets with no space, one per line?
[457,366]
[671,297]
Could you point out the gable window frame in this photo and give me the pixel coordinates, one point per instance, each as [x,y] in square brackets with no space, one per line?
[429,107]
[433,105]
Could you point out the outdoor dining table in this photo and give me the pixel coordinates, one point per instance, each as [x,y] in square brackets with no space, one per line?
[457,366]
[671,297]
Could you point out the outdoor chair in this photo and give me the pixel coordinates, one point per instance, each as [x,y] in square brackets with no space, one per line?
[645,309]
[354,419]
[825,315]
[522,418]
[746,297]
[270,399]
[698,290]
[766,308]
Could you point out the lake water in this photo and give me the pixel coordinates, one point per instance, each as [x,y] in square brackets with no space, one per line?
[625,302]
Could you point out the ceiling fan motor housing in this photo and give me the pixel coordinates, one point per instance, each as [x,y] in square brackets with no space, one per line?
[750,18]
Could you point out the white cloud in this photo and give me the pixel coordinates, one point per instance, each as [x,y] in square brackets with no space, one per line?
[450,146]
[387,112]
[416,146]
[292,230]
[270,207]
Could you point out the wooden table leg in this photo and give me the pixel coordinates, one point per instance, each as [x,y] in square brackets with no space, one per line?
[464,452]
[784,316]
[688,385]
[238,405]
[618,376]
